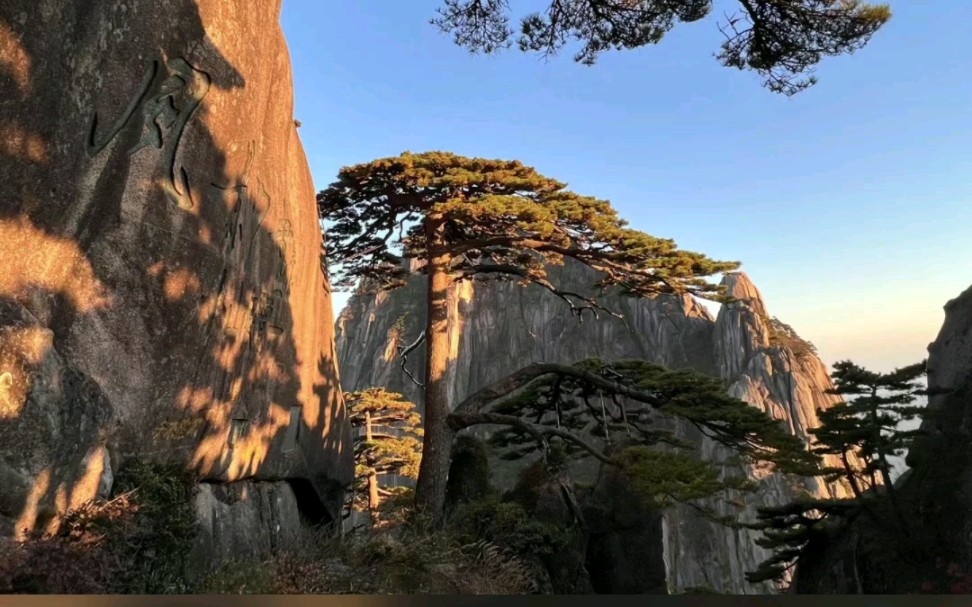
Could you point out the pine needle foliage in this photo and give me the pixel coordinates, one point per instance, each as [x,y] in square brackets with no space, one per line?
[388,439]
[576,404]
[501,219]
[862,434]
[780,40]
[662,479]
[562,415]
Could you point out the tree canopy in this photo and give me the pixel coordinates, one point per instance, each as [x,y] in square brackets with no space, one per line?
[499,219]
[781,40]
[561,411]
[475,218]
[532,398]
[870,425]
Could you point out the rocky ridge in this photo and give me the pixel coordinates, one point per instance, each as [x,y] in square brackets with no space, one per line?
[501,326]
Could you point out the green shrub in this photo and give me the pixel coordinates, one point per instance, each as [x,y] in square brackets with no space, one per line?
[508,525]
[165,531]
[401,558]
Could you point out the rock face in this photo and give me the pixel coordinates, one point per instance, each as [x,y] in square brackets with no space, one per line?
[939,485]
[950,373]
[161,293]
[248,518]
[501,327]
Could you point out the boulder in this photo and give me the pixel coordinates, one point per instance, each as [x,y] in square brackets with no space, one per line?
[625,543]
[162,294]
[468,472]
[550,499]
[248,520]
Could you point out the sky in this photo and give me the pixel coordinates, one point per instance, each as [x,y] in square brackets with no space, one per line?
[849,205]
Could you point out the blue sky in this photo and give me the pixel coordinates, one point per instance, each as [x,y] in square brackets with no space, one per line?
[850,205]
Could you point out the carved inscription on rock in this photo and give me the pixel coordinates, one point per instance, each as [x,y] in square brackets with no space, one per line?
[166,108]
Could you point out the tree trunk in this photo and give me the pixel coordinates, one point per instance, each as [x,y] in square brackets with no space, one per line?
[434,469]
[373,498]
[373,476]
[885,468]
[851,475]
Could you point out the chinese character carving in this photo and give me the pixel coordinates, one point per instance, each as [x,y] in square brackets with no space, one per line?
[165,114]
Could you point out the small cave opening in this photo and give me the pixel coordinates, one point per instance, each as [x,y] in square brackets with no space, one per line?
[311,508]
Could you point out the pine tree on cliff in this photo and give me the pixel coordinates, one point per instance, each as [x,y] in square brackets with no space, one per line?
[387,441]
[484,219]
[870,424]
[863,433]
[549,404]
[781,40]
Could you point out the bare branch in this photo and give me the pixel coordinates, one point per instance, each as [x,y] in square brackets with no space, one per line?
[404,352]
[586,303]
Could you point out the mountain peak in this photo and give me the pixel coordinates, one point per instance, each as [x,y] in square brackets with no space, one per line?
[740,287]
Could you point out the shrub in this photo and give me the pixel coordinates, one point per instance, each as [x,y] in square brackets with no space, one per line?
[401,559]
[508,525]
[238,577]
[494,570]
[156,548]
[135,543]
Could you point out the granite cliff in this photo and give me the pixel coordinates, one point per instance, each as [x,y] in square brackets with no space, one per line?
[161,295]
[502,326]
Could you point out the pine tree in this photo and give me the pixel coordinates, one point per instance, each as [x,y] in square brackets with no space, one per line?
[474,218]
[863,434]
[781,40]
[555,409]
[387,439]
[870,425]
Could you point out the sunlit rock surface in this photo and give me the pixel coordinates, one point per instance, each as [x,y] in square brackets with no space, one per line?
[502,326]
[161,292]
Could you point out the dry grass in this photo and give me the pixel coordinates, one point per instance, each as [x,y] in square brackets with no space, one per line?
[391,560]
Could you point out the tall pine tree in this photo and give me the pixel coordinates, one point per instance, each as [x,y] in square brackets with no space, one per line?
[466,218]
[877,423]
